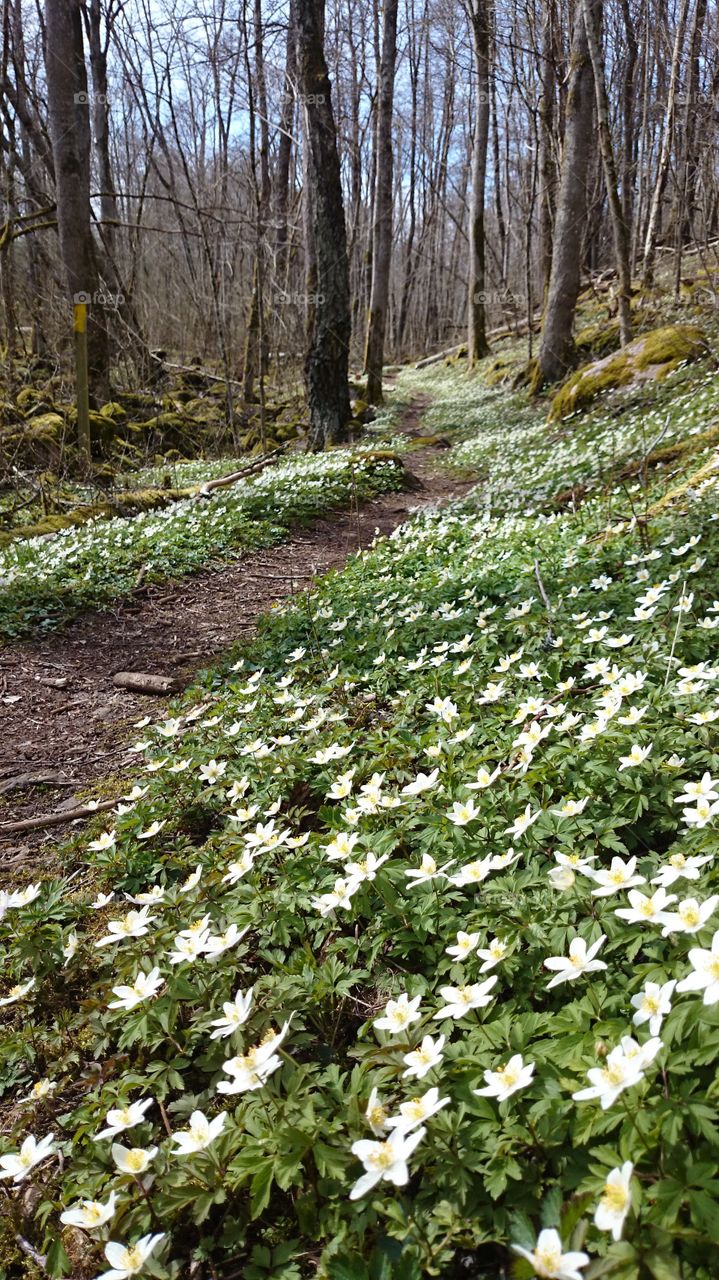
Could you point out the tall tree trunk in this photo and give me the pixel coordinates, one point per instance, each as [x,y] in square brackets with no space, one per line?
[70,131]
[665,154]
[547,167]
[477,345]
[97,47]
[326,361]
[556,347]
[382,225]
[592,18]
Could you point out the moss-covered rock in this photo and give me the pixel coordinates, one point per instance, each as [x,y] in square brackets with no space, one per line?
[597,340]
[653,355]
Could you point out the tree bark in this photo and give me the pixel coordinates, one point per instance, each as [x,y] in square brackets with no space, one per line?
[477,345]
[69,114]
[327,357]
[592,16]
[665,154]
[556,348]
[382,227]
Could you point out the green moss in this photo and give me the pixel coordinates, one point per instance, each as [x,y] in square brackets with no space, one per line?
[598,339]
[127,503]
[586,384]
[654,355]
[672,344]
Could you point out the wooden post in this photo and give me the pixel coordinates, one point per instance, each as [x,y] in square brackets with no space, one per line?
[83,394]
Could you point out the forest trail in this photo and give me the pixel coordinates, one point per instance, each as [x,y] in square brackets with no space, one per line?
[69,735]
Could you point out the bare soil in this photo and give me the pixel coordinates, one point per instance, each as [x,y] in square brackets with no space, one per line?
[66,726]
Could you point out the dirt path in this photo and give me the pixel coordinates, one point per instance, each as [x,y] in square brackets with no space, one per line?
[69,723]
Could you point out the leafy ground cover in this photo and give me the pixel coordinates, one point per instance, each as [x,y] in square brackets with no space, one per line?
[44,581]
[530,461]
[401,958]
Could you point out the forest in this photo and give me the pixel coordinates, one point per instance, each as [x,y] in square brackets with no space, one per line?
[359,784]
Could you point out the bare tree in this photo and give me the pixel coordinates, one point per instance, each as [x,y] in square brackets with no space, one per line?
[327,357]
[382,223]
[69,112]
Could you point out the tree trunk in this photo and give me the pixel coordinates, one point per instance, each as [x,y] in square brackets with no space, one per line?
[326,361]
[477,345]
[547,167]
[592,15]
[665,154]
[70,131]
[382,227]
[556,348]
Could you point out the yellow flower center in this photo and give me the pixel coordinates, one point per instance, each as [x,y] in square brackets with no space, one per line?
[614,1197]
[508,1076]
[650,1004]
[376,1117]
[383,1157]
[690,915]
[136,1160]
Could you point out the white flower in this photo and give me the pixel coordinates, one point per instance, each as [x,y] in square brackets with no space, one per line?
[704,788]
[236,1012]
[385,1161]
[549,1260]
[417,1110]
[376,1115]
[427,870]
[121,1118]
[41,1089]
[17,992]
[399,1014]
[702,813]
[89,1214]
[23,897]
[104,841]
[523,822]
[127,1260]
[484,779]
[492,954]
[219,942]
[101,901]
[253,1069]
[615,1201]
[461,814]
[465,945]
[134,925]
[70,946]
[459,1000]
[690,916]
[200,1133]
[571,808]
[705,975]
[212,771]
[579,961]
[144,986]
[17,1165]
[679,866]
[423,782]
[506,1080]
[132,1160]
[652,1004]
[636,756]
[421,1061]
[152,830]
[471,873]
[645,910]
[619,876]
[624,1067]
[561,878]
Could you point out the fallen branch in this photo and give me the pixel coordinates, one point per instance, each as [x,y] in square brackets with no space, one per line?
[54,819]
[32,779]
[224,482]
[143,682]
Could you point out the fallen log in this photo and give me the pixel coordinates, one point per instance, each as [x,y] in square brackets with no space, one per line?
[144,682]
[55,819]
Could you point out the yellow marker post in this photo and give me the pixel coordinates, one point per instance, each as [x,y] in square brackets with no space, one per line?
[83,393]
